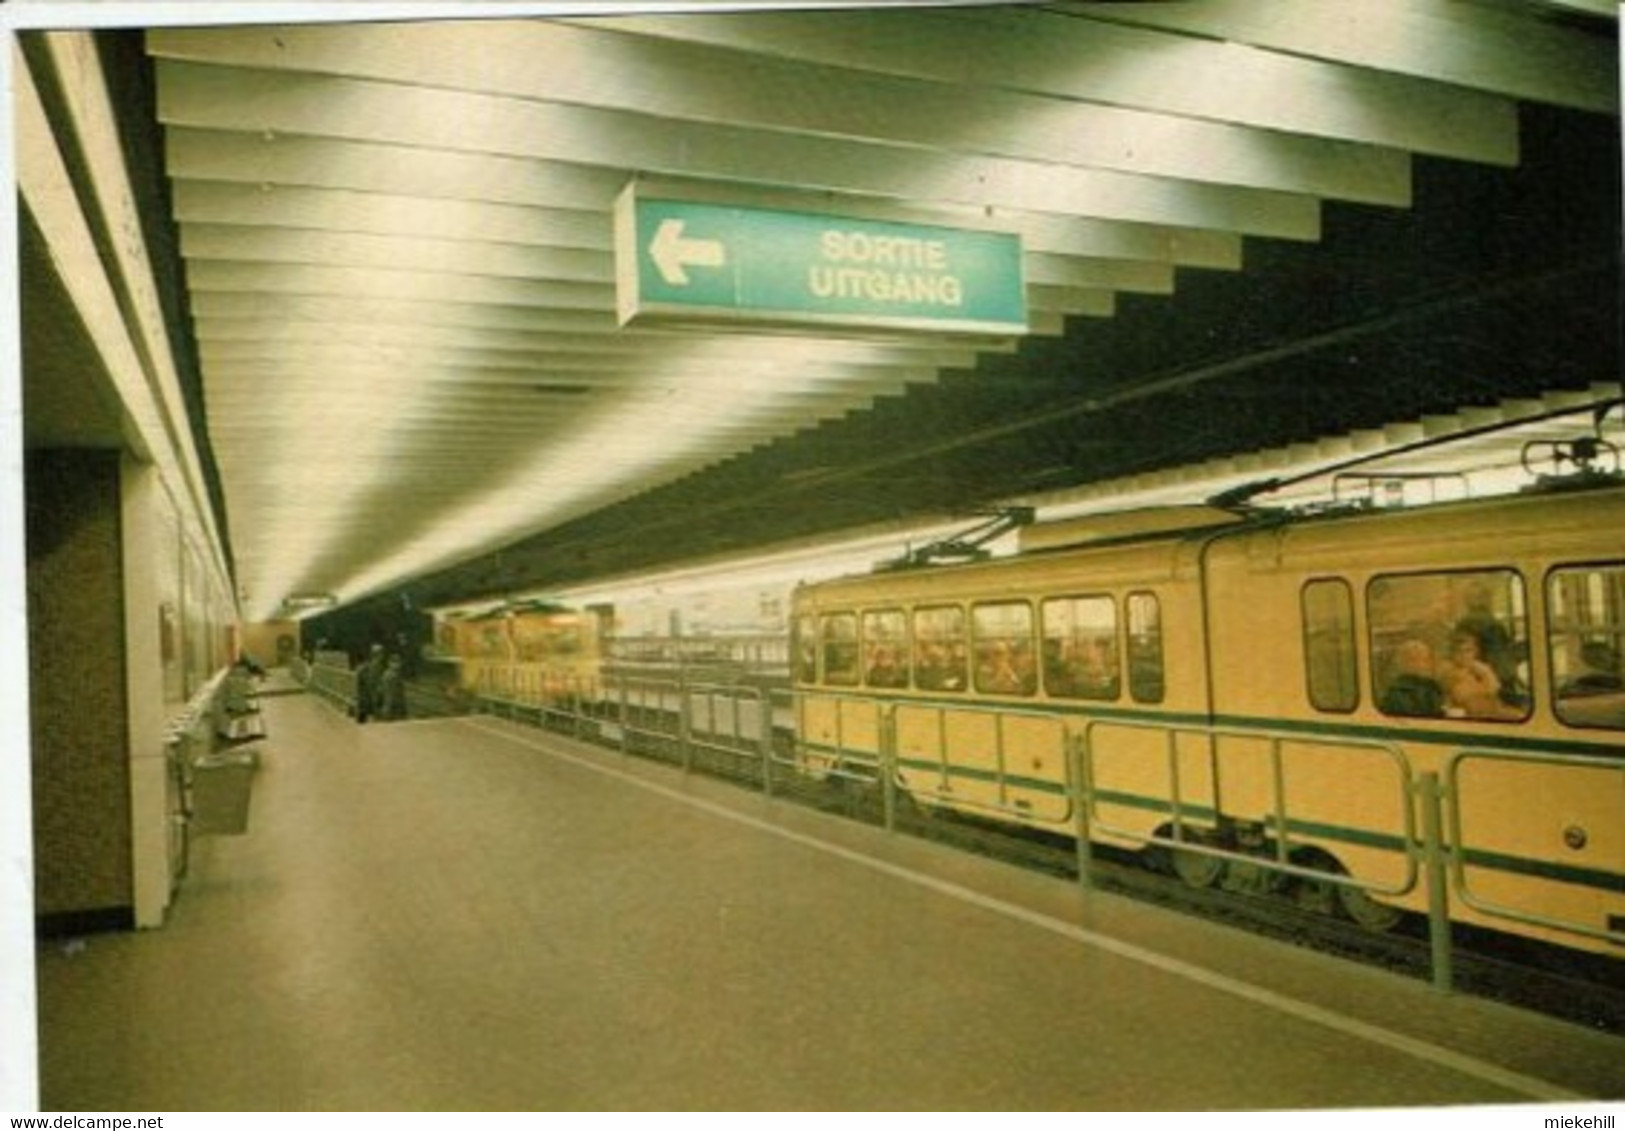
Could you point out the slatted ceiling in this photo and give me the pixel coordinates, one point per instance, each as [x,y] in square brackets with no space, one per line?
[516,363]
[388,214]
[211,96]
[424,209]
[327,368]
[674,81]
[1041,51]
[1506,50]
[1080,302]
[229,311]
[247,378]
[203,96]
[478,260]
[359,188]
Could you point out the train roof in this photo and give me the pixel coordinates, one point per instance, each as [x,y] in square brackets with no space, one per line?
[1128,525]
[1172,525]
[1168,522]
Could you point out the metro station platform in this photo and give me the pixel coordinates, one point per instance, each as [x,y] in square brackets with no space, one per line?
[471,914]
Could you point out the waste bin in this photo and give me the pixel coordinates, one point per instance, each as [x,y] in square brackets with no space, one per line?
[221,785]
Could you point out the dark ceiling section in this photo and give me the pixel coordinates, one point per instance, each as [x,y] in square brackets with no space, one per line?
[67,402]
[134,102]
[1495,284]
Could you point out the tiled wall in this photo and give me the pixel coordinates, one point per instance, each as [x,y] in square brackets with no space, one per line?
[77,691]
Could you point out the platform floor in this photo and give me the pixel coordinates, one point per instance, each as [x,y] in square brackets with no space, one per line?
[471,914]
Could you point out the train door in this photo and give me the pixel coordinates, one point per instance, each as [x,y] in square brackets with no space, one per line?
[1540,827]
[976,741]
[838,728]
[1142,728]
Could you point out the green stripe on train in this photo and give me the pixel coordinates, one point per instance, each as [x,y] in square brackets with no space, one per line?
[1300,829]
[1506,737]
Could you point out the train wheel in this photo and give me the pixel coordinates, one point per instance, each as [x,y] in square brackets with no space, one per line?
[1367,912]
[1328,898]
[1196,869]
[1317,896]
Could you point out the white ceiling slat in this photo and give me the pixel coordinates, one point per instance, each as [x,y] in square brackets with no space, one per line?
[511,306]
[612,353]
[1045,53]
[384,311]
[391,214]
[1112,274]
[283,165]
[229,155]
[474,291]
[400,254]
[239,380]
[510,299]
[335,374]
[471,428]
[422,368]
[486,265]
[379,213]
[696,84]
[280,338]
[512,412]
[328,311]
[1473,45]
[203,96]
[1088,302]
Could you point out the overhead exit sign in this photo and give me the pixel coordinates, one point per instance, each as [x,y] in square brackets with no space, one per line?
[681,259]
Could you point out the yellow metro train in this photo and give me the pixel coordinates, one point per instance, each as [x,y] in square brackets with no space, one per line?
[1235,688]
[542,654]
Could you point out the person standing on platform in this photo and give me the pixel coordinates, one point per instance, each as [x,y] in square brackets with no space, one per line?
[392,691]
[369,678]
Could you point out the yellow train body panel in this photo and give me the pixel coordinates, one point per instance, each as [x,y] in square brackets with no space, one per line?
[1280,684]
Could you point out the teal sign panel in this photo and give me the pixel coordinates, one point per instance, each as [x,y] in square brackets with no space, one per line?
[678,259]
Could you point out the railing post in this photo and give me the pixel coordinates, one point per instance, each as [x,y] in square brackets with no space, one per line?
[1078,759]
[764,717]
[625,719]
[1283,828]
[1431,797]
[888,770]
[1176,800]
[685,721]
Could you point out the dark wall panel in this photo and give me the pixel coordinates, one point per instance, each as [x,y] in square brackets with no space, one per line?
[81,769]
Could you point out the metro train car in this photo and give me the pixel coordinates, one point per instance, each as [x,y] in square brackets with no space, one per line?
[542,653]
[1263,698]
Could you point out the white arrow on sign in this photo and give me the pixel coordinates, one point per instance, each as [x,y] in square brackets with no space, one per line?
[671,252]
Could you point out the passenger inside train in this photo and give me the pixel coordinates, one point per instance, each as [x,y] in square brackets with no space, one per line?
[1413,691]
[1599,673]
[1471,687]
[1082,669]
[884,668]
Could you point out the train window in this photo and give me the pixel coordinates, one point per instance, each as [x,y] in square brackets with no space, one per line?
[1005,664]
[1586,610]
[885,648]
[1080,648]
[939,642]
[1450,645]
[1328,645]
[838,635]
[806,649]
[1146,678]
